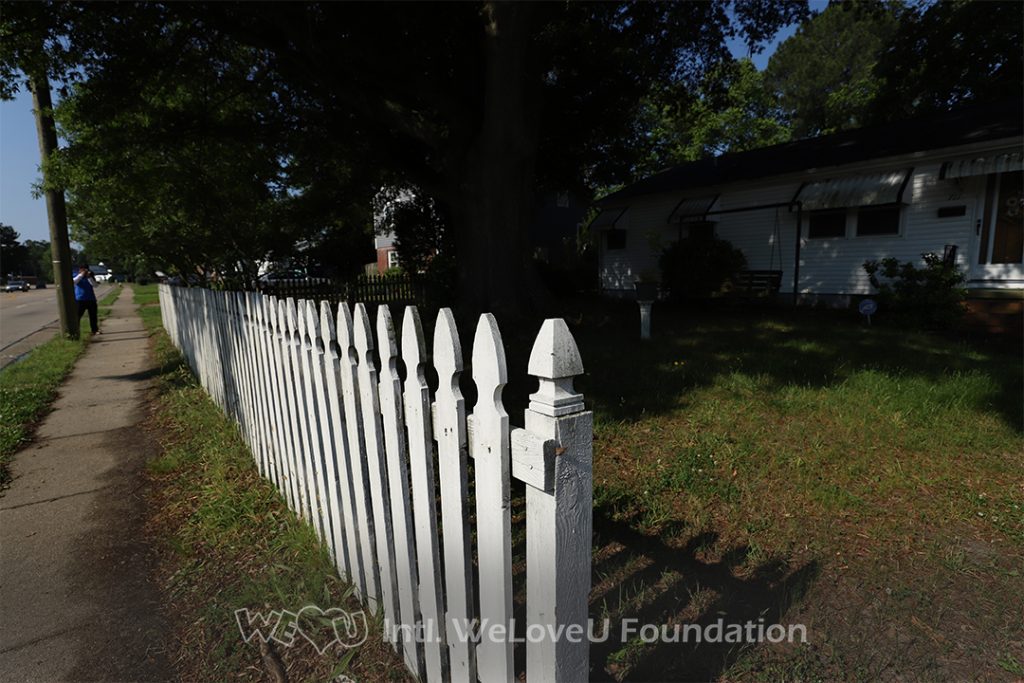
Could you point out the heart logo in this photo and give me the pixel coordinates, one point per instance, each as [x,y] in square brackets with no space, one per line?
[350,628]
[323,628]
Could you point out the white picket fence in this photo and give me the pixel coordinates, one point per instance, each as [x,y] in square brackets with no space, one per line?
[365,458]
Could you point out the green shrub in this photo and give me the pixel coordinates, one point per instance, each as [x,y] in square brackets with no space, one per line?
[698,266]
[931,296]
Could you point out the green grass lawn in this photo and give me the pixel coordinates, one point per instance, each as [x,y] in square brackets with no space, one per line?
[791,467]
[29,386]
[230,542]
[800,465]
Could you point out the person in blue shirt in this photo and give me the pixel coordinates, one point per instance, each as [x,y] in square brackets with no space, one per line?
[85,295]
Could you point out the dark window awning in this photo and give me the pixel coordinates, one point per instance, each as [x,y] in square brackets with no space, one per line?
[860,190]
[982,165]
[692,209]
[607,218]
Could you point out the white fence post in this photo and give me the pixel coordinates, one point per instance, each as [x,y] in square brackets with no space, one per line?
[450,432]
[559,513]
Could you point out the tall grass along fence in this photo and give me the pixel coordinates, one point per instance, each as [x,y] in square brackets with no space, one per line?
[380,468]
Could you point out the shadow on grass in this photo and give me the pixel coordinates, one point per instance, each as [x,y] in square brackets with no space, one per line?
[661,584]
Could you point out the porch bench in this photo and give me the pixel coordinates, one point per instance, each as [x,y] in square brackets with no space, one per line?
[752,284]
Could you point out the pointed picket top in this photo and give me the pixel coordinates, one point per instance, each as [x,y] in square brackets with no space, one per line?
[447,351]
[414,346]
[292,319]
[345,340]
[312,333]
[555,360]
[386,344]
[328,331]
[361,332]
[281,318]
[300,324]
[270,313]
[257,307]
[489,371]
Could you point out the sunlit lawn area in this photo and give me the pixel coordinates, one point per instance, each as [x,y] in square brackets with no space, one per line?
[867,482]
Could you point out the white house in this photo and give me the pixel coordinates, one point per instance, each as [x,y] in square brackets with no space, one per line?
[816,209]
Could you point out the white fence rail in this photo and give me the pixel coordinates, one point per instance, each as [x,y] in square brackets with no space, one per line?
[367,459]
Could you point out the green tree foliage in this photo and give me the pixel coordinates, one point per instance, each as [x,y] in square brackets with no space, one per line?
[13,254]
[730,111]
[823,76]
[949,53]
[211,134]
[39,259]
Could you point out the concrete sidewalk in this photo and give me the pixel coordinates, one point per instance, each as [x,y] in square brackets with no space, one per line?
[75,593]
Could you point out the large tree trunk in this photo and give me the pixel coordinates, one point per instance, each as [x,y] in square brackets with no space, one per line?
[56,211]
[493,206]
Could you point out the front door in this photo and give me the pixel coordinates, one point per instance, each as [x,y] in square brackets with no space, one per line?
[999,234]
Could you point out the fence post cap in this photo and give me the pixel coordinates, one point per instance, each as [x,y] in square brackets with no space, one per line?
[555,360]
[554,353]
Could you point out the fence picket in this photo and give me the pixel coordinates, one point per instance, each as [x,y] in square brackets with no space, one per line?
[406,576]
[374,444]
[265,356]
[352,571]
[360,469]
[450,432]
[260,387]
[421,470]
[489,448]
[285,422]
[322,450]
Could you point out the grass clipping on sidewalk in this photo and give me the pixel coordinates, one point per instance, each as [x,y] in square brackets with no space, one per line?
[28,387]
[229,542]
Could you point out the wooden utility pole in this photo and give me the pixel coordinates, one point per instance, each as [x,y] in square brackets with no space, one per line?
[56,211]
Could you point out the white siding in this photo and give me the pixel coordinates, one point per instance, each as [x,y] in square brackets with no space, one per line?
[835,266]
[647,233]
[827,266]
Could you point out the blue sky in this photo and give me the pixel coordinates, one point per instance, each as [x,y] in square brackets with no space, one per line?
[19,155]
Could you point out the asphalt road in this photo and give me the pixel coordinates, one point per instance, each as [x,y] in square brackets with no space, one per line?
[28,319]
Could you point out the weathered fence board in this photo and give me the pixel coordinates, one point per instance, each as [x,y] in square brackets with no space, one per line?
[450,432]
[378,482]
[367,457]
[421,466]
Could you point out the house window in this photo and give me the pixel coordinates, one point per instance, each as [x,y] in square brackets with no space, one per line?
[827,223]
[393,258]
[878,220]
[616,239]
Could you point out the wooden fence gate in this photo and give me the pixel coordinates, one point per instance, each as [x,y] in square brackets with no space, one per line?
[368,459]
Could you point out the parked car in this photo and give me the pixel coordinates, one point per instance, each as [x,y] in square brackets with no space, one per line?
[16,286]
